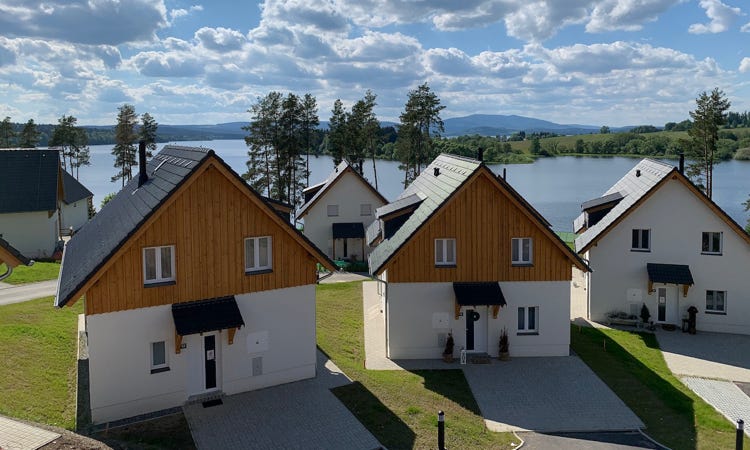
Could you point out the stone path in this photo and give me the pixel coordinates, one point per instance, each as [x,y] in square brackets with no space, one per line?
[24,292]
[300,415]
[19,436]
[725,396]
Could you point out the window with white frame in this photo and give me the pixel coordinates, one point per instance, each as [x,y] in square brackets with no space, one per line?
[522,251]
[716,302]
[528,320]
[258,252]
[159,357]
[333,210]
[711,243]
[158,264]
[641,240]
[445,252]
[365,209]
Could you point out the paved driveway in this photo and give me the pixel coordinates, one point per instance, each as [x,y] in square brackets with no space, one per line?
[588,441]
[300,415]
[22,292]
[706,355]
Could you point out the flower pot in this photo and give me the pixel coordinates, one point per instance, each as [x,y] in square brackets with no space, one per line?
[447,357]
[504,356]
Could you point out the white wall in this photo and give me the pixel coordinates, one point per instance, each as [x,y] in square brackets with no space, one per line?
[34,234]
[75,214]
[349,193]
[121,382]
[677,219]
[413,334]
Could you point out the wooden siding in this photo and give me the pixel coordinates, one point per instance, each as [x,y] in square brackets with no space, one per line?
[207,222]
[483,219]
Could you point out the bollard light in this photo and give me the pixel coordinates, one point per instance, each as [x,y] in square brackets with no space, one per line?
[740,434]
[441,430]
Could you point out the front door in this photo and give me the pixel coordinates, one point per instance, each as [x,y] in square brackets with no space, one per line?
[667,307]
[476,330]
[209,356]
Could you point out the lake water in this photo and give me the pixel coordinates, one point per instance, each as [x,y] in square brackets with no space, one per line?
[554,186]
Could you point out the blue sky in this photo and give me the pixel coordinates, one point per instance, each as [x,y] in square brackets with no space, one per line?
[613,62]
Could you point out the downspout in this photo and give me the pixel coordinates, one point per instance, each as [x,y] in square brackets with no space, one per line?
[8,272]
[385,312]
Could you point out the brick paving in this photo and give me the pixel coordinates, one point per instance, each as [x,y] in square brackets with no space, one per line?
[706,355]
[300,415]
[725,396]
[19,436]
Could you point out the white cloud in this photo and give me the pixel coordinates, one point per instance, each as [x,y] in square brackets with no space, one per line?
[722,17]
[162,64]
[376,46]
[181,12]
[629,15]
[745,28]
[745,65]
[220,39]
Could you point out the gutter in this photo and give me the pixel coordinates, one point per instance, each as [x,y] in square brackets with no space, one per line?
[9,270]
[385,312]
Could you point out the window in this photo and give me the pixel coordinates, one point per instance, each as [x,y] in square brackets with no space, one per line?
[365,209]
[257,254]
[711,243]
[716,302]
[333,210]
[641,241]
[528,320]
[158,264]
[522,251]
[159,357]
[445,252]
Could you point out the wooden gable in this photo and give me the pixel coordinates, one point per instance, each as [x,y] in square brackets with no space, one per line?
[206,220]
[483,218]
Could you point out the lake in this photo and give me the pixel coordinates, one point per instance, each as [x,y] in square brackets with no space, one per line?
[554,186]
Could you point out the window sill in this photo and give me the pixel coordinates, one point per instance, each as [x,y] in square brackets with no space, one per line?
[716,313]
[445,266]
[640,250]
[258,272]
[711,253]
[160,370]
[159,284]
[527,333]
[522,264]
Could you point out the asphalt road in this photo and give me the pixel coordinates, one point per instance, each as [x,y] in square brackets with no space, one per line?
[23,292]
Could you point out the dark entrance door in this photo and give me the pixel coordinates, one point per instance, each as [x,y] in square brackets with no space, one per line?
[209,345]
[471,317]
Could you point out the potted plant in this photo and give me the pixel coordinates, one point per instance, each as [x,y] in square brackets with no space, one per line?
[503,345]
[448,352]
[645,314]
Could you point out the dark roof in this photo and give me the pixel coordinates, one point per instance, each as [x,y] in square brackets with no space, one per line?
[400,204]
[28,180]
[479,293]
[73,190]
[111,227]
[603,200]
[372,233]
[206,315]
[348,230]
[669,273]
[321,188]
[633,186]
[14,253]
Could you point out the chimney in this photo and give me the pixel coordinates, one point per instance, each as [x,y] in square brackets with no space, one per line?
[142,176]
[504,173]
[480,154]
[436,171]
[637,173]
[682,163]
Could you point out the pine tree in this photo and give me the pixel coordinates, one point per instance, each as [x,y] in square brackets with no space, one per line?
[30,136]
[147,133]
[420,123]
[709,115]
[125,138]
[261,140]
[337,133]
[363,128]
[310,122]
[73,143]
[7,133]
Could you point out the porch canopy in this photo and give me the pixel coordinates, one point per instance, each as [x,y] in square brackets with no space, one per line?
[351,230]
[669,274]
[201,316]
[473,293]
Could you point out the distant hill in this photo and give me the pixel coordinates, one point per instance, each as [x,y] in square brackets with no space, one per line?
[497,124]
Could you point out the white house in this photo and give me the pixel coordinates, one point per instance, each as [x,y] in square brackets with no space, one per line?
[37,200]
[461,252]
[337,212]
[194,286]
[654,238]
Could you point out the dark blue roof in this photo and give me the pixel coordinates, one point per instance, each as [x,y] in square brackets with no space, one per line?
[669,273]
[73,190]
[478,293]
[28,180]
[206,315]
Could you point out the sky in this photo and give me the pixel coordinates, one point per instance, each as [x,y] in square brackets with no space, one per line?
[605,62]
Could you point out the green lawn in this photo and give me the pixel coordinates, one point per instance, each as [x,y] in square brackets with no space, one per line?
[38,354]
[398,407]
[40,271]
[633,366]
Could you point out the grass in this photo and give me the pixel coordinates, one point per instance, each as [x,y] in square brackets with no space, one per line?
[634,368]
[40,271]
[38,351]
[398,407]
